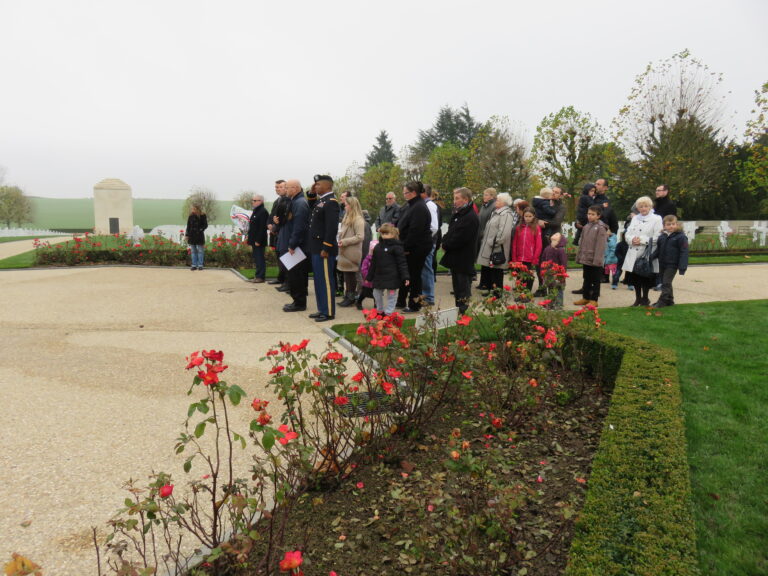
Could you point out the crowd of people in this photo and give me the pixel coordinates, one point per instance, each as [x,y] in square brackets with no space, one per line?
[333,238]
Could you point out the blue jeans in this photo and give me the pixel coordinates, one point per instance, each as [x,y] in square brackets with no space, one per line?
[428,280]
[198,255]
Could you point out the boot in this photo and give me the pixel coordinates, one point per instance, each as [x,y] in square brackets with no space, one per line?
[582,302]
[349,299]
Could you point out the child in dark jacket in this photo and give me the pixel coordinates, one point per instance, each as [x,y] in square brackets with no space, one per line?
[388,270]
[672,252]
[554,262]
[586,200]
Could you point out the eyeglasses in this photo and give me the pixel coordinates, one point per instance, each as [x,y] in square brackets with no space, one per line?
[256,200]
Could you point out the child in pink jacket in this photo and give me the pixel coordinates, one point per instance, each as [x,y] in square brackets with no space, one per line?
[526,244]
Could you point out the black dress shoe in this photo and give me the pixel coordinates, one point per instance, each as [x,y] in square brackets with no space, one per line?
[283,289]
[293,307]
[323,318]
[273,282]
[316,315]
[579,291]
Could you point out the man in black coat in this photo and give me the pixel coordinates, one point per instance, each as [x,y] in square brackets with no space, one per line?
[276,220]
[294,234]
[664,206]
[257,237]
[390,212]
[416,235]
[459,246]
[323,228]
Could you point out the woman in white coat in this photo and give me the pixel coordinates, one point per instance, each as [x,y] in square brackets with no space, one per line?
[497,236]
[646,226]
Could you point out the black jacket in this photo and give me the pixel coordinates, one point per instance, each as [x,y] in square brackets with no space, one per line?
[196,226]
[585,201]
[665,207]
[324,225]
[257,226]
[672,251]
[388,269]
[415,226]
[388,214]
[460,240]
[295,232]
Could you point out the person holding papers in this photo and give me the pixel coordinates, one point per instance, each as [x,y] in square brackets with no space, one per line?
[296,228]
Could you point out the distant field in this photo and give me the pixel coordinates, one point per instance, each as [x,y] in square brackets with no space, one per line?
[77,213]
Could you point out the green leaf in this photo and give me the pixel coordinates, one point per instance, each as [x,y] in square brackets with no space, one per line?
[187,464]
[268,440]
[235,394]
[237,438]
[191,410]
[200,429]
[202,407]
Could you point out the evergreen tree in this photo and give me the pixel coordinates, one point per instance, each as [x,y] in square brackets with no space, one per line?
[382,151]
[451,126]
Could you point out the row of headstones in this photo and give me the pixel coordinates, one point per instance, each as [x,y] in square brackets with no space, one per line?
[759,231]
[14,232]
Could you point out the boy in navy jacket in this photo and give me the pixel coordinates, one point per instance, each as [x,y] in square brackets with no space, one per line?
[672,252]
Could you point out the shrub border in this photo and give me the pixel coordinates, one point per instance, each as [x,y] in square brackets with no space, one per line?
[637,517]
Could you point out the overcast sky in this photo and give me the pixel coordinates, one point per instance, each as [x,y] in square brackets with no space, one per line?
[231,95]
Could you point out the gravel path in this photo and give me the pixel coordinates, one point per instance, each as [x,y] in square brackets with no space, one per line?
[93,381]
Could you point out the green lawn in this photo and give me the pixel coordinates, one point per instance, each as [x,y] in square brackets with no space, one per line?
[5,239]
[77,213]
[723,363]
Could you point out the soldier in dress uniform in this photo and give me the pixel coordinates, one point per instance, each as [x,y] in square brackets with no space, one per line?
[323,228]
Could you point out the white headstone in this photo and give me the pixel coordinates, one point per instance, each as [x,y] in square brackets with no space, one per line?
[690,230]
[759,229]
[724,229]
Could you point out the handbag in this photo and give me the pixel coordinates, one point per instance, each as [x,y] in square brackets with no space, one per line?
[643,264]
[497,256]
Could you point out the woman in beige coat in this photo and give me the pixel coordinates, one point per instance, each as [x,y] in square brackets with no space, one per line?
[351,234]
[497,236]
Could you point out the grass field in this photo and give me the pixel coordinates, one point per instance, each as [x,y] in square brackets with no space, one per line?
[723,365]
[77,213]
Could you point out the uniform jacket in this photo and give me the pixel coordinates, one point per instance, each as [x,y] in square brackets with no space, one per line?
[460,241]
[672,251]
[499,231]
[257,226]
[324,225]
[414,226]
[594,237]
[195,230]
[351,253]
[388,268]
[646,228]
[526,244]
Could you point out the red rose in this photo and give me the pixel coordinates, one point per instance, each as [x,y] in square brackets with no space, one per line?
[166,490]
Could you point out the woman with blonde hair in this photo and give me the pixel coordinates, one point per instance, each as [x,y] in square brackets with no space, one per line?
[351,234]
[645,228]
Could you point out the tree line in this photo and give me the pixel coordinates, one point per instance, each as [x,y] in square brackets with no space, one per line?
[670,131]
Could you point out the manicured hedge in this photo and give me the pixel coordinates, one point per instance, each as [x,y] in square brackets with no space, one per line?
[637,518]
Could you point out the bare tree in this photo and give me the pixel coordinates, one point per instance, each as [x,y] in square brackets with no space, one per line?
[207,200]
